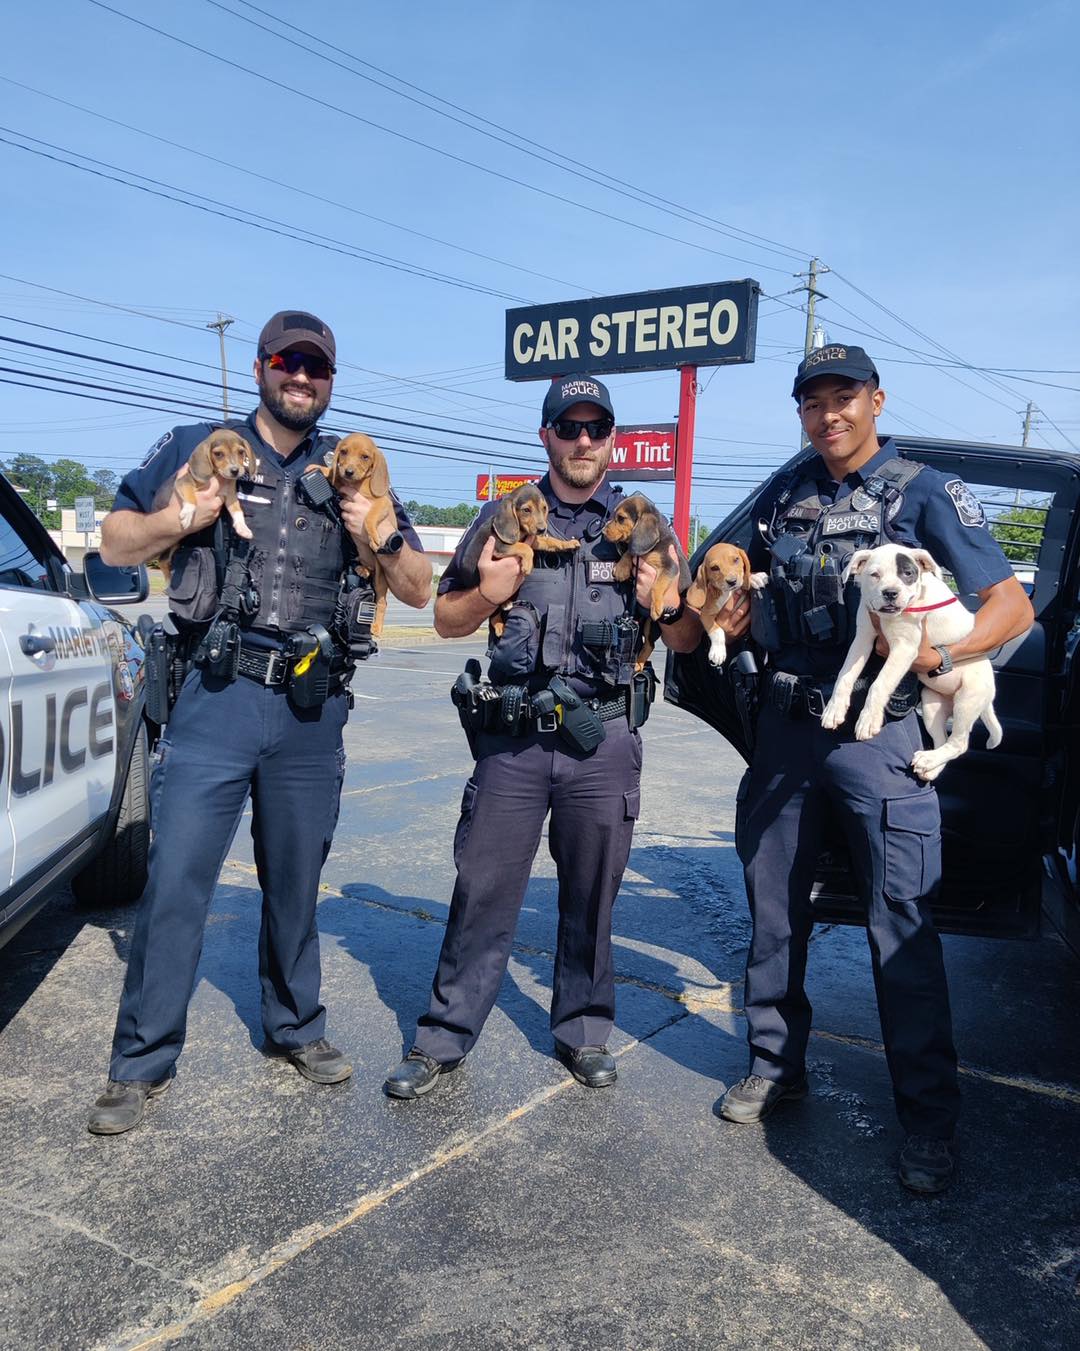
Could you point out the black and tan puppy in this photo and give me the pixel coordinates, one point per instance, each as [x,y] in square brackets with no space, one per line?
[646,536]
[519,525]
[223,455]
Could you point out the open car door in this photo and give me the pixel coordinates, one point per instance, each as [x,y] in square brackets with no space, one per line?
[1002,810]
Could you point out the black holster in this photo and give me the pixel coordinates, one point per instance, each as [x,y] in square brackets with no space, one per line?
[746,684]
[168,659]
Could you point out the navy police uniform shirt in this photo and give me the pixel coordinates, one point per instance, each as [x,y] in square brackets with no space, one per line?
[139,487]
[571,519]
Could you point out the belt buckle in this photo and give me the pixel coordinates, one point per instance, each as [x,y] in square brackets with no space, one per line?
[276,668]
[815,700]
[547,722]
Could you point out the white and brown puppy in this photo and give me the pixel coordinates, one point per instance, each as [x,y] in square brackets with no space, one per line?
[722,576]
[905,589]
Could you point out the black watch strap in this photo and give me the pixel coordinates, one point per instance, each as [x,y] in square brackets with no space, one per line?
[946,660]
[391,545]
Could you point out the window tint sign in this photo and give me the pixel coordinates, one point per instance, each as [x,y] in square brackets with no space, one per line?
[710,325]
[644,453]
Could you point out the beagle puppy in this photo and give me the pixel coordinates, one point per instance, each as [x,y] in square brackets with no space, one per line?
[723,575]
[645,535]
[223,455]
[358,461]
[519,525]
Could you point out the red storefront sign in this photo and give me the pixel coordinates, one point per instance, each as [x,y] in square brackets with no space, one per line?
[646,453]
[504,483]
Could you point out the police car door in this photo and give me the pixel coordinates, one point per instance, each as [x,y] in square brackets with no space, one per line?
[1002,810]
[58,714]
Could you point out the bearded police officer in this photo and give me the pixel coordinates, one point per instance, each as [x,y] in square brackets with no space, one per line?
[853,494]
[271,628]
[554,730]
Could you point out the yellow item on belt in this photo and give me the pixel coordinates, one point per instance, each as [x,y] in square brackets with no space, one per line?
[305,661]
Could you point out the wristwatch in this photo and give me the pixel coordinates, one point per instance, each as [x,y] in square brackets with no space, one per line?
[391,544]
[946,661]
[671,614]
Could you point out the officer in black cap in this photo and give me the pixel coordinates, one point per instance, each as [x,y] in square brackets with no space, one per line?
[853,493]
[272,628]
[555,731]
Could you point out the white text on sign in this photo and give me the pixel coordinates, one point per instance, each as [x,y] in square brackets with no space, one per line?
[659,328]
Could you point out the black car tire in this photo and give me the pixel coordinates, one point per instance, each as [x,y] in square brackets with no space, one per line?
[117,875]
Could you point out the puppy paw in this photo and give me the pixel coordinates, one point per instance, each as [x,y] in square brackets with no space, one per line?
[927,765]
[869,724]
[240,525]
[718,651]
[187,515]
[758,580]
[834,714]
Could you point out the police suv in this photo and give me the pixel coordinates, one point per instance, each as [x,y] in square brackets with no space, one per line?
[73,737]
[1010,816]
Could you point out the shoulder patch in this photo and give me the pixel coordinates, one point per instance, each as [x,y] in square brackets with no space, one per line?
[968,507]
[158,445]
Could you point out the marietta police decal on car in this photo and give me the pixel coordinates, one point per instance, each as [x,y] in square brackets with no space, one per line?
[601,569]
[968,507]
[72,643]
[158,446]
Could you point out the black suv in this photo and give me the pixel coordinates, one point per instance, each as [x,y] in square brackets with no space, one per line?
[1010,814]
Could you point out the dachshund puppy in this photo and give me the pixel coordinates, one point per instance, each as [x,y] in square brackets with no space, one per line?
[645,534]
[359,461]
[519,524]
[723,574]
[224,455]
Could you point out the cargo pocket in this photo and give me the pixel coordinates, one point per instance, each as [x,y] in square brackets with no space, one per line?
[912,865]
[464,825]
[632,805]
[192,589]
[335,809]
[515,654]
[159,761]
[741,797]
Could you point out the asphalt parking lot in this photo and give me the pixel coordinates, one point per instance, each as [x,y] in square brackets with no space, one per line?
[513,1208]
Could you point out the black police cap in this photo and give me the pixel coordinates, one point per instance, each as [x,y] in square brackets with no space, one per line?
[851,363]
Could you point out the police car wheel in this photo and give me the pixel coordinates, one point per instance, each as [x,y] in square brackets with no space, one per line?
[117,875]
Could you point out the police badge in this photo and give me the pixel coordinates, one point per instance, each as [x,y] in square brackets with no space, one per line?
[968,507]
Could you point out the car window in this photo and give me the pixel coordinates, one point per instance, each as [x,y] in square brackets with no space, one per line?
[19,563]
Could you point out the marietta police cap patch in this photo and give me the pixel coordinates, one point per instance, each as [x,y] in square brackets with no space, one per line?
[968,507]
[850,363]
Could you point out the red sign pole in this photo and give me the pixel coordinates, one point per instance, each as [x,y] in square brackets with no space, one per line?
[684,459]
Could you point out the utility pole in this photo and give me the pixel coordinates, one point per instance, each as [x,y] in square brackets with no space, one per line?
[221,323]
[813,293]
[1024,441]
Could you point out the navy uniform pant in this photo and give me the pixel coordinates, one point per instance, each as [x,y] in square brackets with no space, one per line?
[224,742]
[593,800]
[801,776]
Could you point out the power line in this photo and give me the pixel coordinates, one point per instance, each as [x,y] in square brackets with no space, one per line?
[413,140]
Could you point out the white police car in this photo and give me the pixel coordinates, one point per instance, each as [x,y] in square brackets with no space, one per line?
[73,736]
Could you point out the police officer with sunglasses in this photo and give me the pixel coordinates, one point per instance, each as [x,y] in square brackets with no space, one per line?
[554,732]
[268,630]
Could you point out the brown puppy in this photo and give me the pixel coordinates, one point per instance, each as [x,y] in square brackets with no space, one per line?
[359,462]
[645,535]
[224,454]
[723,575]
[519,524]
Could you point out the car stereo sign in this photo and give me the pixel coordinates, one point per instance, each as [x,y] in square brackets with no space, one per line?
[710,325]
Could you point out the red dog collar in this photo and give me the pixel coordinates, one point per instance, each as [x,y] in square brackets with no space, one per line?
[922,609]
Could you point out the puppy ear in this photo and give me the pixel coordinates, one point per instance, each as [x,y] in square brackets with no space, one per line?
[379,482]
[698,593]
[645,534]
[926,562]
[744,559]
[855,563]
[505,522]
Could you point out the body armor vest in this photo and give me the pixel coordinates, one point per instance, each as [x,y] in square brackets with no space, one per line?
[570,617]
[295,559]
[807,603]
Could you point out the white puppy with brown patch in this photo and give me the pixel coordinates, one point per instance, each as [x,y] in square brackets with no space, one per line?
[905,589]
[724,573]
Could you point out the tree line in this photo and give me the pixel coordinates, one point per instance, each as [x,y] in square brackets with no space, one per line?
[62,481]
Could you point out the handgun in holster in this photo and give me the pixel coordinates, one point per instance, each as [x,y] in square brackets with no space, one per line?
[746,682]
[310,655]
[579,725]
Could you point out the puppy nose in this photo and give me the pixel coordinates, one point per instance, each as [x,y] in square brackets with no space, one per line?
[731,581]
[889,593]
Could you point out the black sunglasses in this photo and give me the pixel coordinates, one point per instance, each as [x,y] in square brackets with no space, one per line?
[316,368]
[569,429]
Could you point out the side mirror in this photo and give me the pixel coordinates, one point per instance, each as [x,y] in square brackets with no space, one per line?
[113,585]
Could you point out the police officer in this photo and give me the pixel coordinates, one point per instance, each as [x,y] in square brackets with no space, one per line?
[854,493]
[261,710]
[571,636]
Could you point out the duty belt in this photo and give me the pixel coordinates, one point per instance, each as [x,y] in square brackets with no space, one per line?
[270,666]
[794,695]
[512,713]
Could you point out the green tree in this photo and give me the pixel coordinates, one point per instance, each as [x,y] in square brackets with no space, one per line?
[71,480]
[1019,531]
[422,513]
[105,485]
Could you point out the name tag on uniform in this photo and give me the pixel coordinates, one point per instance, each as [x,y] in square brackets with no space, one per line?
[851,520]
[601,569]
[253,497]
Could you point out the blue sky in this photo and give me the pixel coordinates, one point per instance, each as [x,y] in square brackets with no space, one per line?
[926,153]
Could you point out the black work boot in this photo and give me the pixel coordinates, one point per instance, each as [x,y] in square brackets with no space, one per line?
[416,1075]
[926,1165]
[121,1106]
[753,1098]
[318,1061]
[593,1066]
